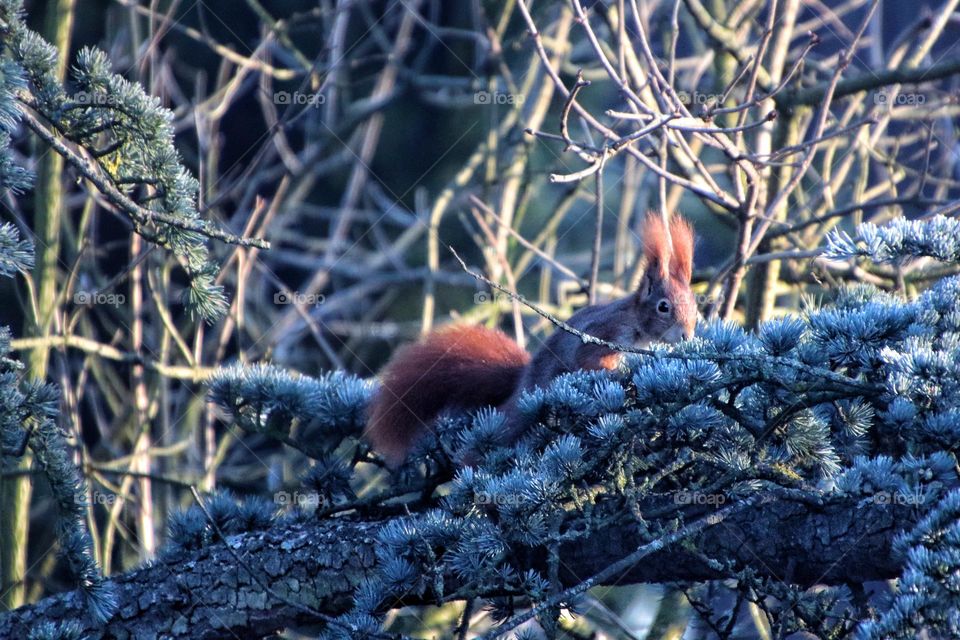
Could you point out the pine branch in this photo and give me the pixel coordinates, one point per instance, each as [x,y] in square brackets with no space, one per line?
[205,593]
[91,170]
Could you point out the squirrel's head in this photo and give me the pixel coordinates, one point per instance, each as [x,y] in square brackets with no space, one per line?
[668,310]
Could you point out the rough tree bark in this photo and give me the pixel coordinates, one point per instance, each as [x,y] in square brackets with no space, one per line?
[204,594]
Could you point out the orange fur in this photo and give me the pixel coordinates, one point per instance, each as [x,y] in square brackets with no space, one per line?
[670,256]
[681,261]
[457,366]
[609,361]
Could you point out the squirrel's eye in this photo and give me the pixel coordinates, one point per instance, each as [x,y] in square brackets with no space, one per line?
[663,306]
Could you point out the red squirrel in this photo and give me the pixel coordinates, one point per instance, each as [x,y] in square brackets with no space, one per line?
[467,367]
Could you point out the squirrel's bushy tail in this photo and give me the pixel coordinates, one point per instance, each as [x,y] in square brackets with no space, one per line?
[458,366]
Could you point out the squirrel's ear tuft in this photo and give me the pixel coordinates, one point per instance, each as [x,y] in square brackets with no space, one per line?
[669,255]
[681,260]
[656,246]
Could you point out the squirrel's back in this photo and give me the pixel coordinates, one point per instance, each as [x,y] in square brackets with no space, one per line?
[460,366]
[468,367]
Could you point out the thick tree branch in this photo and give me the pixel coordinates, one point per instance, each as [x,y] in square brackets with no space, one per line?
[874,79]
[205,594]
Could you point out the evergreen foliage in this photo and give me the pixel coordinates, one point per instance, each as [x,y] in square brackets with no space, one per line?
[192,528]
[28,411]
[272,401]
[128,137]
[856,401]
[56,631]
[13,178]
